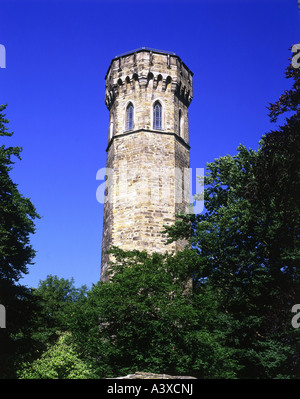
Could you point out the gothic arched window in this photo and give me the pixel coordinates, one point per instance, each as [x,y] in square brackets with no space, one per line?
[129,117]
[157,115]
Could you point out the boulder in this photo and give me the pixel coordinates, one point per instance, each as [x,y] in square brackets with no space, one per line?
[153,376]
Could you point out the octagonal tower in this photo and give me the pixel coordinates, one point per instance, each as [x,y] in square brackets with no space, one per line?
[147,93]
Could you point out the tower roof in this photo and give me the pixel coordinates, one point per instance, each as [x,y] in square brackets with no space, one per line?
[150,50]
[146,49]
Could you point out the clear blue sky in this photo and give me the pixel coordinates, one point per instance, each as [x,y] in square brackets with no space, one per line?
[57,55]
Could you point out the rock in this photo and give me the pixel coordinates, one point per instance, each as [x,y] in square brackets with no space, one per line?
[152,376]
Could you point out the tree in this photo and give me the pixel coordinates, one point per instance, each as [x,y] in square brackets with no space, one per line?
[248,243]
[277,176]
[17,215]
[277,192]
[146,318]
[60,361]
[57,299]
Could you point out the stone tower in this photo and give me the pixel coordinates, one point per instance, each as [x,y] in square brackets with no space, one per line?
[147,93]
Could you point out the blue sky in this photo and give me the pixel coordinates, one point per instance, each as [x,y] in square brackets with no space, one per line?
[57,55]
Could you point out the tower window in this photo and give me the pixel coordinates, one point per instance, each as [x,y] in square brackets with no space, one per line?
[157,116]
[129,117]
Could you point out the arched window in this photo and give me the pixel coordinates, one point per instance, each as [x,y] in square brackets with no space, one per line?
[129,117]
[157,115]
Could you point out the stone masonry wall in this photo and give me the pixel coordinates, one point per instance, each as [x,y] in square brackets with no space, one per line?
[145,188]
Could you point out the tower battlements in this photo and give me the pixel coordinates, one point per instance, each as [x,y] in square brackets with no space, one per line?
[145,68]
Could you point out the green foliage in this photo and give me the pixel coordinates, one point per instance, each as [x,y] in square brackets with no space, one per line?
[17,218]
[221,309]
[57,299]
[248,244]
[60,361]
[17,215]
[242,259]
[146,319]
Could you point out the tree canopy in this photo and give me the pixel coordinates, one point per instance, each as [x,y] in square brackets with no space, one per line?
[147,318]
[248,242]
[17,215]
